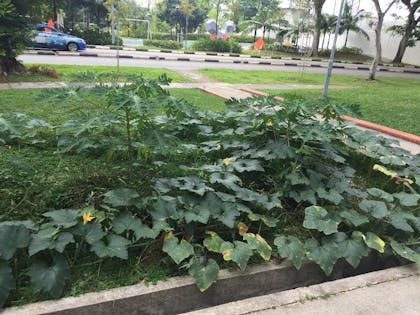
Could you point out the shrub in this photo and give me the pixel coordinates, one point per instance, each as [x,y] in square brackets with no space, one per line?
[168,44]
[92,35]
[350,50]
[217,45]
[276,46]
[168,36]
[242,38]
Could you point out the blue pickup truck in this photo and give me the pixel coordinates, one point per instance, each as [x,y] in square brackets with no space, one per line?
[48,37]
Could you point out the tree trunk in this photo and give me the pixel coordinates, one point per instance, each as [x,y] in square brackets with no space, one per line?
[317,29]
[378,55]
[323,40]
[347,36]
[409,29]
[255,34]
[402,47]
[10,66]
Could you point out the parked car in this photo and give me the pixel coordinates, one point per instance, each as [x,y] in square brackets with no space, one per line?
[50,38]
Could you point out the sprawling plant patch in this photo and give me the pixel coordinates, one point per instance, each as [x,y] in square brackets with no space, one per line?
[227,186]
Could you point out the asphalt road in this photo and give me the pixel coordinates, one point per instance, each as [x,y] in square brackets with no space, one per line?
[187,65]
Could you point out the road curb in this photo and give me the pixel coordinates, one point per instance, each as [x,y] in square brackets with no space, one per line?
[180,294]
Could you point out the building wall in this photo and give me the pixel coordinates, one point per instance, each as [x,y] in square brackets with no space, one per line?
[389,45]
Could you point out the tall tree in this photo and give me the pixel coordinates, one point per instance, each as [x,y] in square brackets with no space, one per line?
[15,25]
[187,8]
[171,12]
[410,31]
[378,30]
[327,26]
[349,22]
[317,4]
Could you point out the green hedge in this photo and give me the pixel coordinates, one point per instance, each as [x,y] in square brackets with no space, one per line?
[169,36]
[217,45]
[91,35]
[243,38]
[280,48]
[168,44]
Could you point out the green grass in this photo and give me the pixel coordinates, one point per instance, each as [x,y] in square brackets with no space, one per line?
[199,98]
[65,71]
[396,106]
[30,101]
[279,77]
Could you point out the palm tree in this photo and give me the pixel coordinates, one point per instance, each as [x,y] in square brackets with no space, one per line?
[327,26]
[349,22]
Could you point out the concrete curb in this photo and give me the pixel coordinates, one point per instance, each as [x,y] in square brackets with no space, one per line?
[278,300]
[383,129]
[180,294]
[362,123]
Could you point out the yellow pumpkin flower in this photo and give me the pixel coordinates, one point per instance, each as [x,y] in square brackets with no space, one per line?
[87,217]
[226,161]
[269,123]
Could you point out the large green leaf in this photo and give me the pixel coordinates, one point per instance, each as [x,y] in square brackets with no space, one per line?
[164,208]
[377,209]
[50,238]
[115,246]
[318,218]
[121,197]
[91,232]
[325,255]
[50,278]
[247,166]
[405,251]
[354,217]
[353,248]
[65,217]
[374,241]
[213,242]
[12,237]
[269,221]
[126,221]
[229,180]
[399,220]
[7,282]
[193,184]
[205,274]
[229,214]
[239,252]
[292,248]
[331,195]
[409,200]
[379,193]
[177,250]
[258,243]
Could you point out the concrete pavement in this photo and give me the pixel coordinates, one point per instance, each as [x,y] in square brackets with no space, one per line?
[386,292]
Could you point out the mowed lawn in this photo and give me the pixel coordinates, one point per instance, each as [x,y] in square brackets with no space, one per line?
[65,73]
[32,102]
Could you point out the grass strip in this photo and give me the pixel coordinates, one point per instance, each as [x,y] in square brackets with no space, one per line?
[64,71]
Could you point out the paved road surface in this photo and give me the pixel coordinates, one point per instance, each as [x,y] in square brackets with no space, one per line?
[187,65]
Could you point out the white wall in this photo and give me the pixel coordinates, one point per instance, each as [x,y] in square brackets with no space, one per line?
[389,45]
